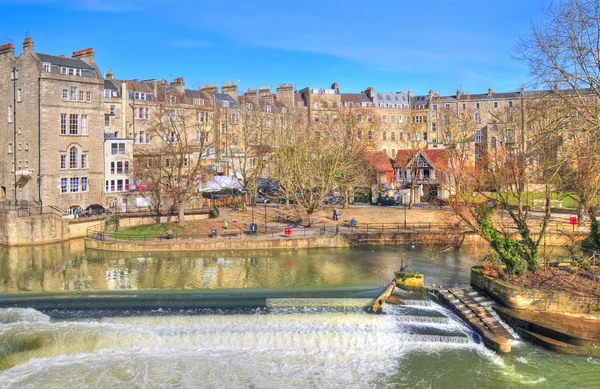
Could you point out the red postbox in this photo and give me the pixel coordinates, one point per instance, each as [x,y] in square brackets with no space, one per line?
[287,231]
[573,221]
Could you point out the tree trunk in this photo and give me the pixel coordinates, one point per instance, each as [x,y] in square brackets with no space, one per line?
[411,200]
[244,208]
[181,212]
[309,217]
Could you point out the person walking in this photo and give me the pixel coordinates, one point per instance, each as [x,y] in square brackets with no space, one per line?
[335,213]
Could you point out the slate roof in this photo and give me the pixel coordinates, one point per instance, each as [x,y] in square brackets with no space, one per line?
[139,86]
[420,100]
[358,98]
[64,61]
[390,98]
[221,97]
[110,84]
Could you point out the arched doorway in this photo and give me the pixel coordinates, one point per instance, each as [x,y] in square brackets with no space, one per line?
[2,193]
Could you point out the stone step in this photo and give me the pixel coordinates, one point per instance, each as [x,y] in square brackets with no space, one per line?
[551,344]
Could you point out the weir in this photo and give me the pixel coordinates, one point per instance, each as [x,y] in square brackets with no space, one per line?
[178,299]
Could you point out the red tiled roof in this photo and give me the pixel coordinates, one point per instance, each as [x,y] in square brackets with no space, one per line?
[380,161]
[403,157]
[438,158]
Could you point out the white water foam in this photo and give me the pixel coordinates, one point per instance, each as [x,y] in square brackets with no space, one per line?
[16,315]
[285,348]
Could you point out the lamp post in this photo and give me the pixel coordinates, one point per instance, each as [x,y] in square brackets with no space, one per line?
[404,203]
[265,216]
[253,201]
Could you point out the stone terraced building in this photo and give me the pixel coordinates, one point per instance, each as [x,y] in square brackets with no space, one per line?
[73,137]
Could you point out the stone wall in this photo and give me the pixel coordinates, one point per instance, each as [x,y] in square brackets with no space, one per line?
[220,244]
[78,227]
[534,299]
[41,229]
[27,230]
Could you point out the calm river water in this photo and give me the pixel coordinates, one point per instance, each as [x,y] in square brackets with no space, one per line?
[290,342]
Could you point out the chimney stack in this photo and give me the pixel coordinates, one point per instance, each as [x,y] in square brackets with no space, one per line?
[86,55]
[230,88]
[210,88]
[285,94]
[458,94]
[7,49]
[110,75]
[370,92]
[335,87]
[490,91]
[28,45]
[179,85]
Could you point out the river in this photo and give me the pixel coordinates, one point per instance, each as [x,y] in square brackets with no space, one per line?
[293,340]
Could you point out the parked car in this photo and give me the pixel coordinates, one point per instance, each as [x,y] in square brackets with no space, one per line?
[386,200]
[333,200]
[282,200]
[260,199]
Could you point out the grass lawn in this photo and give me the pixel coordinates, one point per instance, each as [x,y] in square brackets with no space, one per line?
[567,200]
[154,230]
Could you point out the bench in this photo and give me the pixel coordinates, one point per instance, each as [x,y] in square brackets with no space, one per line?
[228,233]
[165,236]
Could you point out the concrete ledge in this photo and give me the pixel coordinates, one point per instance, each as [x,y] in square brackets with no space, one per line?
[220,244]
[533,299]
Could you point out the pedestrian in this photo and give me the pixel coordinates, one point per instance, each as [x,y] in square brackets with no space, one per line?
[339,213]
[76,212]
[334,213]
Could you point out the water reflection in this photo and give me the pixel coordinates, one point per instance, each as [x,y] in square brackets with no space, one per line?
[68,267]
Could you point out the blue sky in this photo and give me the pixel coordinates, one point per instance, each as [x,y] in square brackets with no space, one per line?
[390,45]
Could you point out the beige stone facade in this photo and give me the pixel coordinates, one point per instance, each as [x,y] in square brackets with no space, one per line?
[55,153]
[61,117]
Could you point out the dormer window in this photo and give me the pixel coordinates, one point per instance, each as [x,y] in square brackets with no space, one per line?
[225,104]
[268,108]
[198,101]
[141,96]
[70,71]
[47,67]
[283,110]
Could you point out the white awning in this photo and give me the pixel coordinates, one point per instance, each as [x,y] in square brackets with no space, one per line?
[218,183]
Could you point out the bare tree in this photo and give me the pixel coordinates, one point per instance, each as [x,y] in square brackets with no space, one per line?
[562,55]
[311,158]
[181,157]
[251,141]
[499,185]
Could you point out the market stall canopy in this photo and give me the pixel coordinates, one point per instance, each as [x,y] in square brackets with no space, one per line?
[218,183]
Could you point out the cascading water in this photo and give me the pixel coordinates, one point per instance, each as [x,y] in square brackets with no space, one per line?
[286,342]
[330,344]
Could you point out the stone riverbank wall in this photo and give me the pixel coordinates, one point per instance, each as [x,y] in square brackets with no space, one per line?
[314,241]
[534,299]
[18,230]
[220,244]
